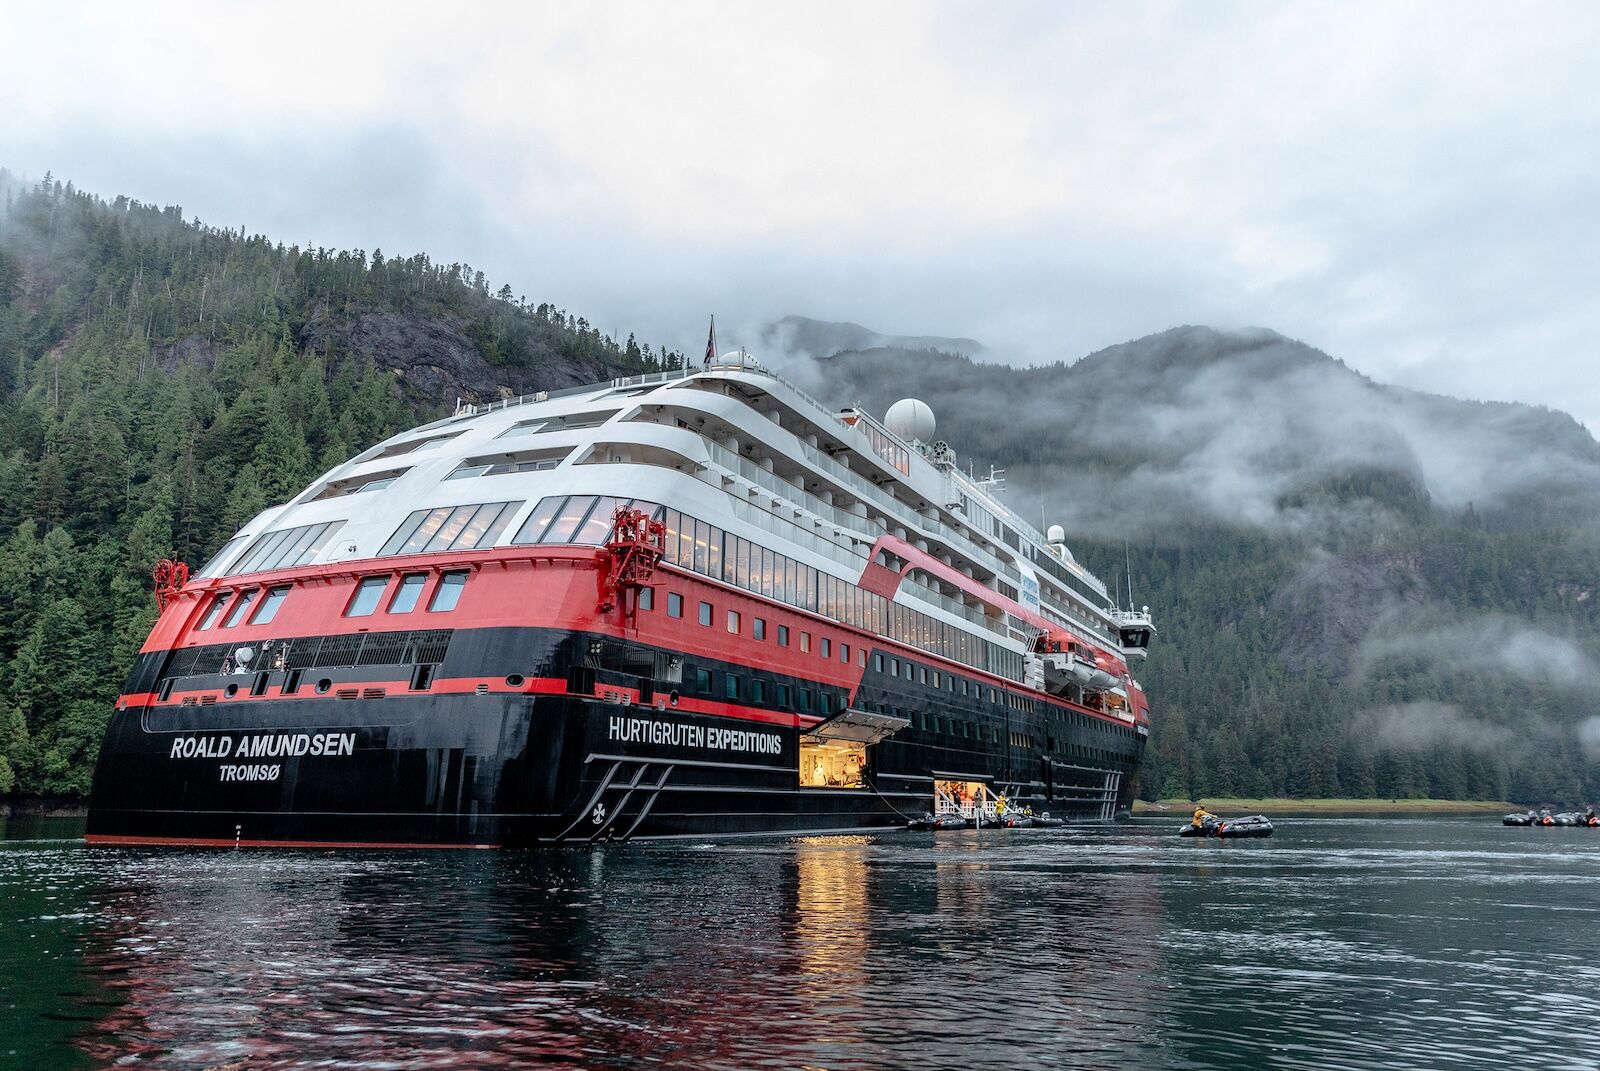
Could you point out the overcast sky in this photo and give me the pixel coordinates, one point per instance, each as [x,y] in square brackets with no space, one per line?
[1411,188]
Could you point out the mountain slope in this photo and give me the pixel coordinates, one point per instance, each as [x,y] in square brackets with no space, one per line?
[162,381]
[799,335]
[1361,589]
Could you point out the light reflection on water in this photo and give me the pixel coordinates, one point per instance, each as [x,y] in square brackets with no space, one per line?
[1338,944]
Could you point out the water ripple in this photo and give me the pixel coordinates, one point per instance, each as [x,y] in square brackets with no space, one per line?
[1338,944]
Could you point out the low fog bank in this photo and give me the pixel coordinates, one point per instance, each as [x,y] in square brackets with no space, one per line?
[1196,426]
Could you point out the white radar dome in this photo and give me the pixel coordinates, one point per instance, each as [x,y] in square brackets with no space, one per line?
[1056,534]
[910,419]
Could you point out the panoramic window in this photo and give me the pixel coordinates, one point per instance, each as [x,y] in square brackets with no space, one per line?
[286,548]
[430,531]
[407,594]
[269,605]
[217,560]
[448,593]
[368,592]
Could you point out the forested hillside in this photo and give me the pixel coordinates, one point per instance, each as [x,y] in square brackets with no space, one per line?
[1360,590]
[161,381]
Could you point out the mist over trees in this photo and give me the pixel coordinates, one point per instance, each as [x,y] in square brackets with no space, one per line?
[1360,590]
[162,381]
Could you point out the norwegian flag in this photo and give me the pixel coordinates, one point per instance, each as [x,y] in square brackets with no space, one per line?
[711,343]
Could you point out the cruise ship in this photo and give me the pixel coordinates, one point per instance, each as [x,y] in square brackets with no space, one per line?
[692,603]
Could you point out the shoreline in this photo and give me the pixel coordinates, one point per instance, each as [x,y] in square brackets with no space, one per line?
[1329,806]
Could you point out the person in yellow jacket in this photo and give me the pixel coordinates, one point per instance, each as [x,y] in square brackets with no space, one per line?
[1200,816]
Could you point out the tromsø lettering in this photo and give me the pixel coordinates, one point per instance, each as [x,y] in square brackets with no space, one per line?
[674,734]
[263,746]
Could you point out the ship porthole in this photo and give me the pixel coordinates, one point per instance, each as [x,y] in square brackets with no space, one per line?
[323,685]
[231,690]
[515,680]
[673,698]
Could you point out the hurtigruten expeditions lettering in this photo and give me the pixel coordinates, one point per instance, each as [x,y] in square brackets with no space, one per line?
[673,734]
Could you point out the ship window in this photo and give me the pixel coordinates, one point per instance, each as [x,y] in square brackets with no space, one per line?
[783,635]
[524,427]
[824,704]
[217,606]
[705,614]
[894,667]
[877,662]
[597,528]
[237,613]
[758,627]
[286,548]
[922,674]
[805,642]
[825,647]
[413,446]
[647,598]
[448,593]
[214,566]
[730,685]
[368,592]
[733,621]
[430,531]
[758,690]
[539,520]
[702,681]
[844,653]
[358,485]
[804,696]
[781,694]
[407,594]
[572,514]
[269,605]
[674,604]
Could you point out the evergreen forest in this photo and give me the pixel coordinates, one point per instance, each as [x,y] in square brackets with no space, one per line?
[162,381]
[1333,621]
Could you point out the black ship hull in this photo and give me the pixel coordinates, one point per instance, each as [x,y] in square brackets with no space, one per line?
[498,771]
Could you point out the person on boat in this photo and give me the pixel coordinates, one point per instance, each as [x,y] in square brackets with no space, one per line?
[1200,816]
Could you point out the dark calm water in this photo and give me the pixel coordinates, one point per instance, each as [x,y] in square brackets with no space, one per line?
[1340,943]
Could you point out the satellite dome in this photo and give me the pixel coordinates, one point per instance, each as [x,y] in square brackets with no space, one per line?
[910,419]
[1057,534]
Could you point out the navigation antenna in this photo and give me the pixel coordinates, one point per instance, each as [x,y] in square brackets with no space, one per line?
[1127,564]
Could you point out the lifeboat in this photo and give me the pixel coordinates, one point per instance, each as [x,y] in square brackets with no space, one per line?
[1069,661]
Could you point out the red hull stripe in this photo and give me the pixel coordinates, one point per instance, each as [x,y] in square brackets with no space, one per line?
[468,686]
[222,842]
